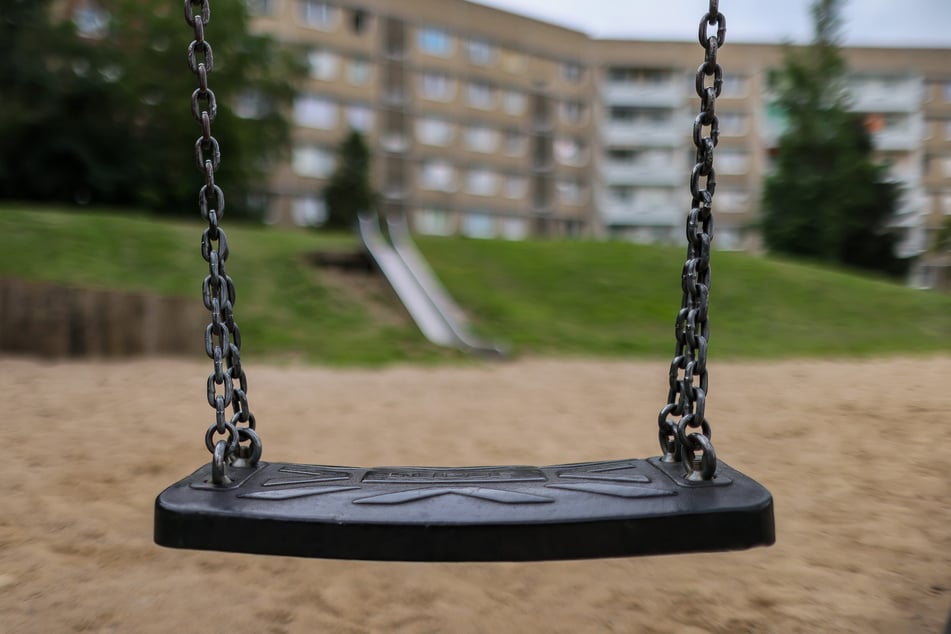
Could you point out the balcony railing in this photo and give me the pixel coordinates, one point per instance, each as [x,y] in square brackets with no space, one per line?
[614,212]
[668,94]
[906,137]
[643,134]
[904,96]
[641,173]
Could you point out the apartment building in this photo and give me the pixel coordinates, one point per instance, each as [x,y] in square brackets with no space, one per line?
[490,124]
[648,103]
[481,122]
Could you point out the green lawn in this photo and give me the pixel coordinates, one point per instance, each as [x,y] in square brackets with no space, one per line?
[543,298]
[619,299]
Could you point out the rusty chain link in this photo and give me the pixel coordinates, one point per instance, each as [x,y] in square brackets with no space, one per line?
[687,440]
[228,383]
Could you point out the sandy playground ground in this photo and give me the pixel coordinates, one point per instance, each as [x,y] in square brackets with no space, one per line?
[857,455]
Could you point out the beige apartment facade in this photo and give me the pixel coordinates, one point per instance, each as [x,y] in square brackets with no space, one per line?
[489,124]
[480,122]
[648,102]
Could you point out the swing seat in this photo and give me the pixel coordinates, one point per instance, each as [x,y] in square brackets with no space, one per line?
[586,510]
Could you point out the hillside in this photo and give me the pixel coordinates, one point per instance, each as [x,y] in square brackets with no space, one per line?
[544,298]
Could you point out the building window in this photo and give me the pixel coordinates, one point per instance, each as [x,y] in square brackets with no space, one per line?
[478,225]
[571,71]
[947,91]
[481,138]
[437,175]
[514,228]
[434,41]
[735,85]
[640,116]
[621,194]
[569,151]
[515,187]
[572,112]
[308,211]
[358,72]
[360,118]
[777,119]
[513,102]
[91,22]
[570,191]
[731,200]
[644,159]
[318,15]
[323,65]
[947,130]
[433,222]
[261,7]
[480,52]
[622,75]
[437,86]
[728,238]
[653,198]
[252,104]
[623,155]
[646,77]
[481,182]
[312,161]
[311,111]
[732,123]
[514,143]
[437,132]
[946,165]
[480,95]
[729,161]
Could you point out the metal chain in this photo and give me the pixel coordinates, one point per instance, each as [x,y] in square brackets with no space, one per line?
[687,440]
[228,383]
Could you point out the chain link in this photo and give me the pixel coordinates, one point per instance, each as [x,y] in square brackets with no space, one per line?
[228,383]
[687,440]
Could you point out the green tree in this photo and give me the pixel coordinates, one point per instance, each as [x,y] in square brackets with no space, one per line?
[349,193]
[107,118]
[53,139]
[827,198]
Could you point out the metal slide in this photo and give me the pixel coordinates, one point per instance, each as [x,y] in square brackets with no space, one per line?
[435,313]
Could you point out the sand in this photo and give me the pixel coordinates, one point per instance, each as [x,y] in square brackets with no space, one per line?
[856,453]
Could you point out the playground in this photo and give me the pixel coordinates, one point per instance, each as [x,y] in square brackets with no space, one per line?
[854,453]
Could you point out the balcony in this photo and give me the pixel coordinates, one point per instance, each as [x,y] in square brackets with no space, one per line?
[913,242]
[639,214]
[902,138]
[643,134]
[663,95]
[641,173]
[911,174]
[902,95]
[912,208]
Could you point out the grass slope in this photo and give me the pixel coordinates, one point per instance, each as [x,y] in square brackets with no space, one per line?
[574,298]
[284,307]
[616,298]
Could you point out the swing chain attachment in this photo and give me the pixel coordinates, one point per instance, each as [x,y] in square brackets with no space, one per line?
[687,440]
[231,440]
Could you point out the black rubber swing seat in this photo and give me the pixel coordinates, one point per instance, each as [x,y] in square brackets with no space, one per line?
[588,510]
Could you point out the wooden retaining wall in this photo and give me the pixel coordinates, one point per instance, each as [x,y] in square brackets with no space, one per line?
[56,321]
